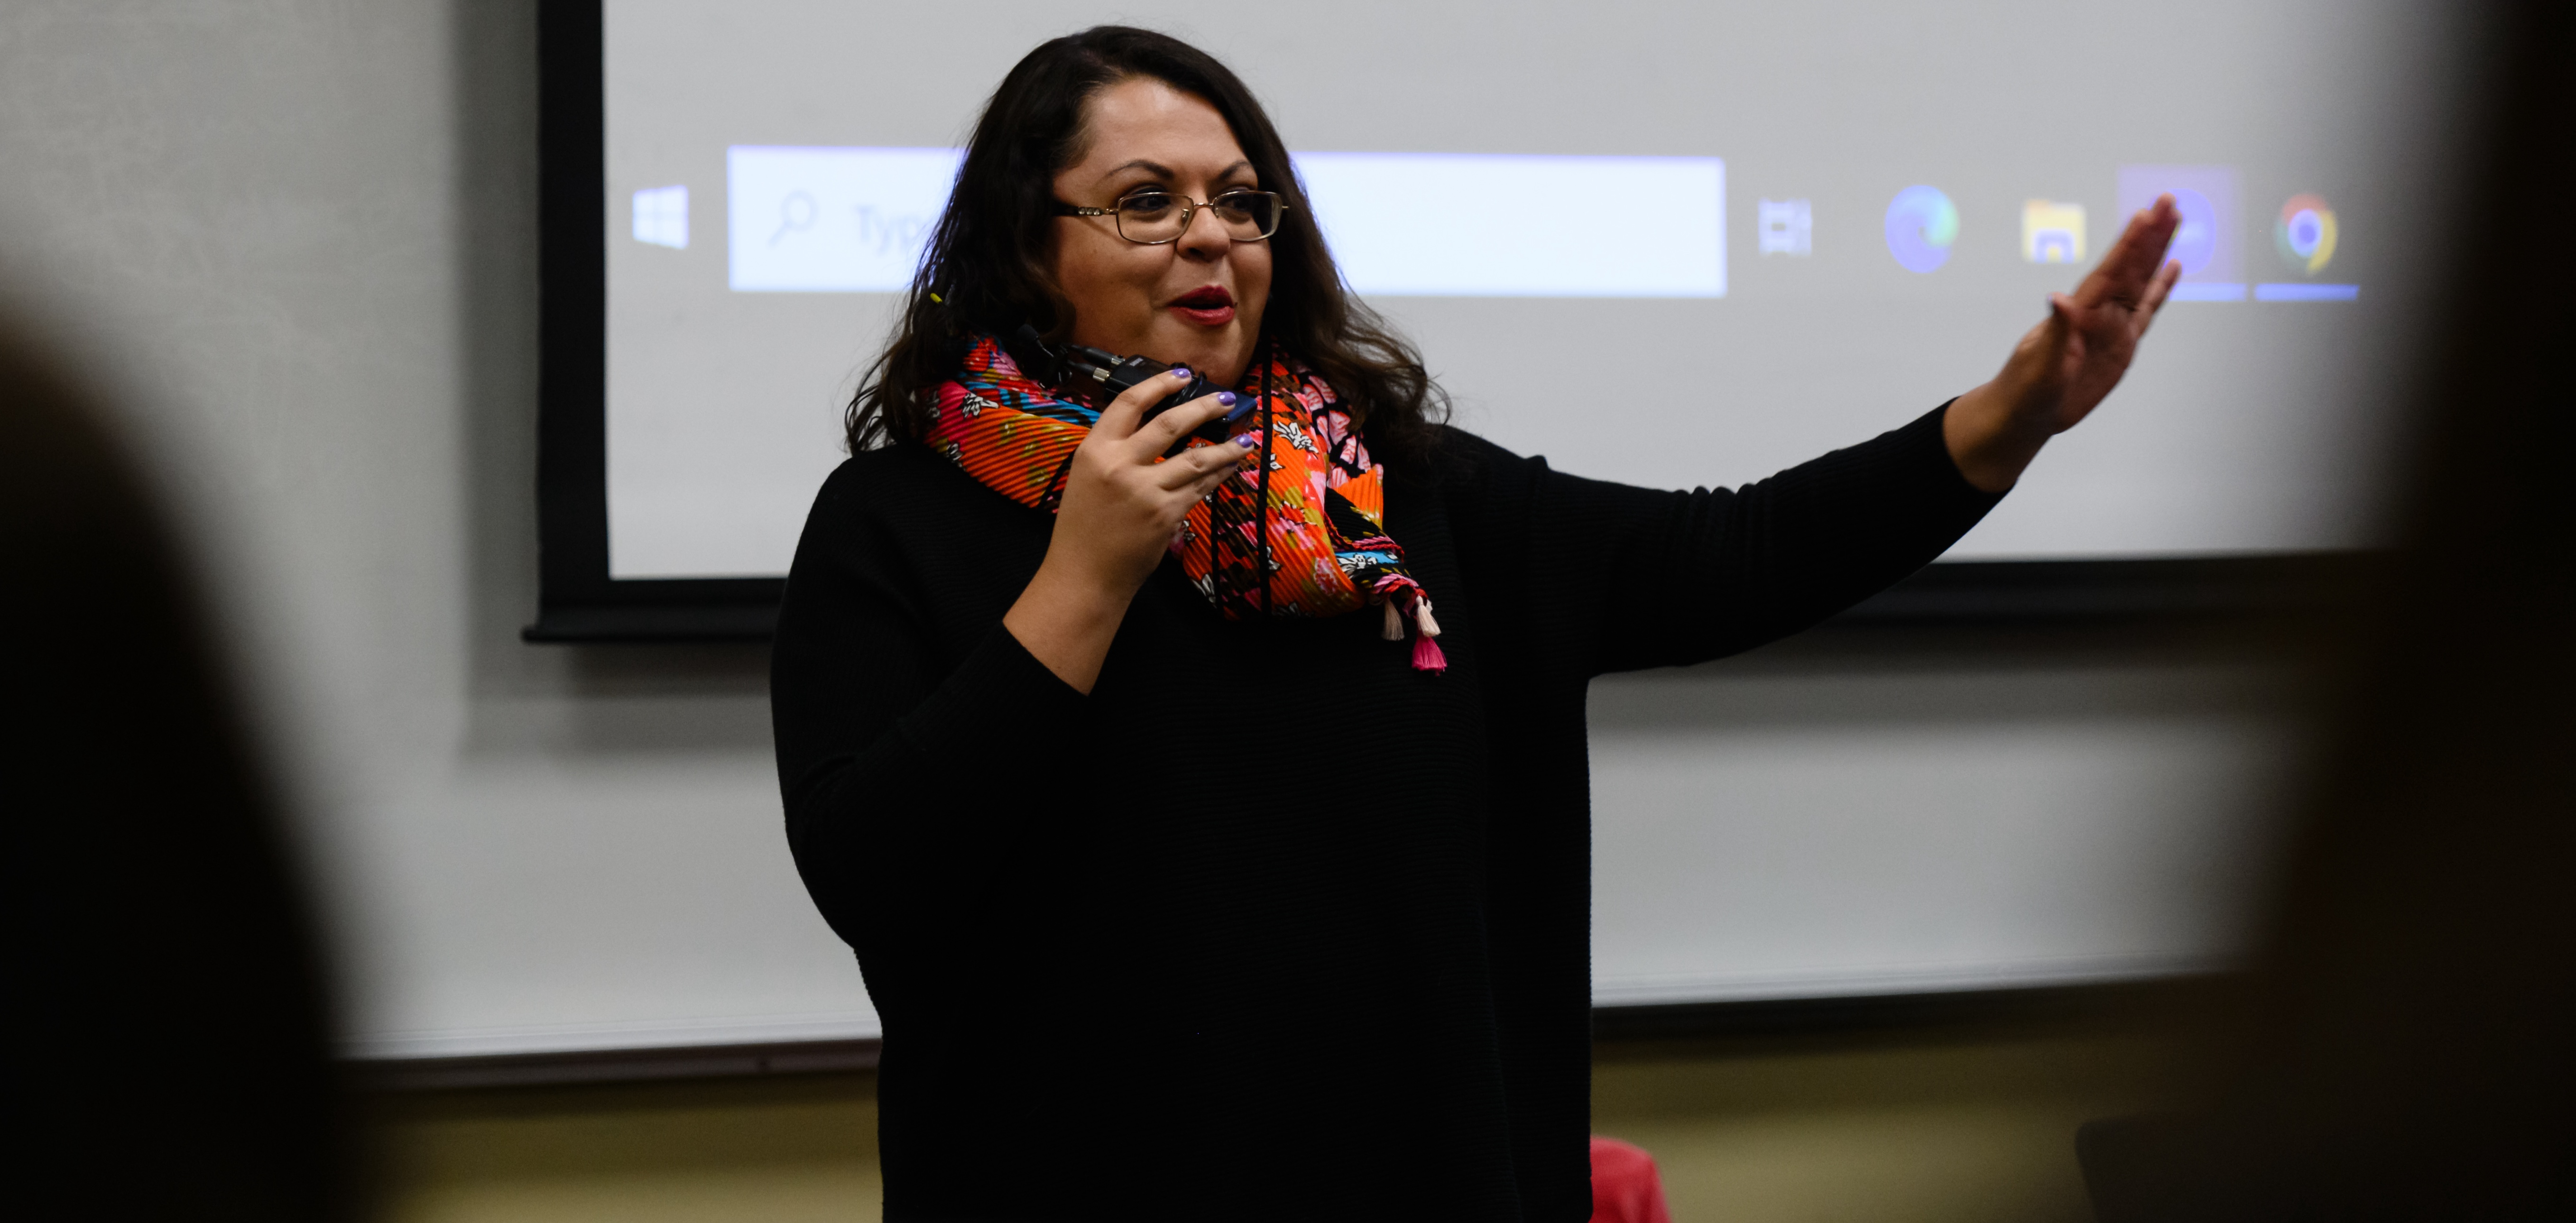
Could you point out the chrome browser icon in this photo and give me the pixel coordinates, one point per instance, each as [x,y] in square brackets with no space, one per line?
[2305,233]
[1921,225]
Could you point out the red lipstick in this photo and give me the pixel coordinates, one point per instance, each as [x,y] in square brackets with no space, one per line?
[1207,305]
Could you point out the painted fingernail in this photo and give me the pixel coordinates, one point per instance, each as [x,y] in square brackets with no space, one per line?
[1180,371]
[1225,398]
[1246,440]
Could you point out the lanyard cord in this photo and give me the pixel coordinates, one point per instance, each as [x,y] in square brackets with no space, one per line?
[1261,507]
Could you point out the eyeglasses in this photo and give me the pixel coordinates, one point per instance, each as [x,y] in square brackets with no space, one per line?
[1153,218]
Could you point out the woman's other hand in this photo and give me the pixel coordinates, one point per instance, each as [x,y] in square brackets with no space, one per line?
[1121,508]
[2066,364]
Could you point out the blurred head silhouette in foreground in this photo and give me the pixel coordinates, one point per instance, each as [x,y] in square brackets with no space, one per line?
[2408,1049]
[168,1053]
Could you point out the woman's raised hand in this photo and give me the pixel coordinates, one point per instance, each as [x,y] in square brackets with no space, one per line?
[1122,504]
[2063,367]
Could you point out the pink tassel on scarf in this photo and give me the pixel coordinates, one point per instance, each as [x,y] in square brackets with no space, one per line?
[1427,656]
[1426,652]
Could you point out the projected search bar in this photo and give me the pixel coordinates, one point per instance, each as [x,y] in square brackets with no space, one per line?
[1477,225]
[853,220]
[831,220]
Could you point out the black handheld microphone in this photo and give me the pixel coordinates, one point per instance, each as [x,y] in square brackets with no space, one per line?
[1099,377]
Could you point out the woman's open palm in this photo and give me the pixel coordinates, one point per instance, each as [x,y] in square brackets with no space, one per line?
[2079,352]
[2062,368]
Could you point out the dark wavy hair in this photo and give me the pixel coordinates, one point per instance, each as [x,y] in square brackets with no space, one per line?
[990,263]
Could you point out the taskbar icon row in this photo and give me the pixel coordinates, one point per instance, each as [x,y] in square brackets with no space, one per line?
[1922,226]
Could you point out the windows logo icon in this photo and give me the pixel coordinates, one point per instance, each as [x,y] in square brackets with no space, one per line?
[662,217]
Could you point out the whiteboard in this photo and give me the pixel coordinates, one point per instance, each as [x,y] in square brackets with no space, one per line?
[1865,202]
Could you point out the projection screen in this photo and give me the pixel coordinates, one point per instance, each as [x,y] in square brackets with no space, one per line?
[1736,236]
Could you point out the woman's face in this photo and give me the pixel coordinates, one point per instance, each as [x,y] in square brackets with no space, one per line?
[1196,301]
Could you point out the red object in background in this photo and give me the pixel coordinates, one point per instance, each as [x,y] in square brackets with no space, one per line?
[1625,1188]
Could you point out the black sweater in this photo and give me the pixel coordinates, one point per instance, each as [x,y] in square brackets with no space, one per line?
[1269,925]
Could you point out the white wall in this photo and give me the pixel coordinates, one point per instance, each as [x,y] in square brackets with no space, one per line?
[297,239]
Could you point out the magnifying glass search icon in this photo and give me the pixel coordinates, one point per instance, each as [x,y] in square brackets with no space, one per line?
[795,213]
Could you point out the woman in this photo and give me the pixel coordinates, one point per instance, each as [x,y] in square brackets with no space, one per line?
[1152,844]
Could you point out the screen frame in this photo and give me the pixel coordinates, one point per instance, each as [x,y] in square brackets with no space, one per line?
[579,601]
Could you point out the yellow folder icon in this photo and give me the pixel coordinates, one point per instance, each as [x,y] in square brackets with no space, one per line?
[2052,232]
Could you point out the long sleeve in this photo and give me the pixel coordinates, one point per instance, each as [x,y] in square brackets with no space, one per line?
[904,751]
[1626,577]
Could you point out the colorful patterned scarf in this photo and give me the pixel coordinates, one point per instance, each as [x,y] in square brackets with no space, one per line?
[1311,514]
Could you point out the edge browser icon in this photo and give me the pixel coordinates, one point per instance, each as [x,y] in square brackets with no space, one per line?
[1921,225]
[2052,232]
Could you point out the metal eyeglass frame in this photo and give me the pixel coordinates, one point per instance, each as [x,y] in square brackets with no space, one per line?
[1189,212]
